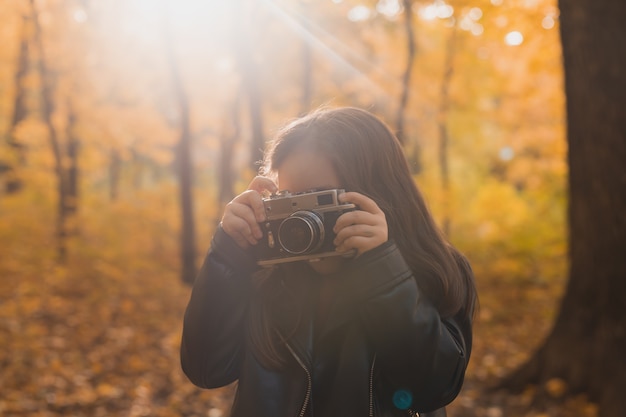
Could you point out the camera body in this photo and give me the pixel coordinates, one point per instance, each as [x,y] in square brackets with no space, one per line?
[299,226]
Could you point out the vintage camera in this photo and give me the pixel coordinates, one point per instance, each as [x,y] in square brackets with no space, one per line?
[299,226]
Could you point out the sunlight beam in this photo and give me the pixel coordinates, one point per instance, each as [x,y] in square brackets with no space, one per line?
[339,53]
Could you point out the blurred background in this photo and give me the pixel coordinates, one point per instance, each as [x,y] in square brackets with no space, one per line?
[126,125]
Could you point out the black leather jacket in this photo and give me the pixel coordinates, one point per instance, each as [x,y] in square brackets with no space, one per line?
[383,349]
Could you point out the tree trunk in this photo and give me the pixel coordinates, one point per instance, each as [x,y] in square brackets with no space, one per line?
[307,64]
[73,148]
[307,78]
[406,77]
[228,138]
[19,107]
[187,236]
[47,109]
[444,105]
[115,165]
[248,71]
[13,182]
[257,144]
[586,346]
[184,166]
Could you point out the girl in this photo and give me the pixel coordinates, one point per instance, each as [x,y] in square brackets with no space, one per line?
[386,332]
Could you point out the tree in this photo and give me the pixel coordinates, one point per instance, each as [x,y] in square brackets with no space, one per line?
[306,64]
[444,136]
[64,156]
[184,168]
[248,69]
[13,182]
[586,346]
[228,139]
[406,77]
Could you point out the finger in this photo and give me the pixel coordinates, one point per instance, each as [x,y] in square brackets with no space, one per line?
[363,202]
[261,184]
[253,200]
[356,217]
[372,236]
[360,243]
[251,218]
[359,230]
[239,230]
[235,235]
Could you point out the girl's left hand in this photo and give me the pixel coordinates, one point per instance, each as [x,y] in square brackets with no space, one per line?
[363,229]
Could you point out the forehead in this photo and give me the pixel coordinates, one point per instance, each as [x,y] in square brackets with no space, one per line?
[304,170]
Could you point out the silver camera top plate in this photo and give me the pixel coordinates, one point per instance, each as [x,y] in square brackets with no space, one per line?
[283,204]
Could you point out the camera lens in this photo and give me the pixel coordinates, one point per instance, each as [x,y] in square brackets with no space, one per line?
[302,232]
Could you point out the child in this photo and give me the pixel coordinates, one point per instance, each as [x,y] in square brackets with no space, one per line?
[385,331]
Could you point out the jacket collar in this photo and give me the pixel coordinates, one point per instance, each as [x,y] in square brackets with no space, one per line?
[296,316]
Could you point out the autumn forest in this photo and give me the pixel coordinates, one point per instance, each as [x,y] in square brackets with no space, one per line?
[127,125]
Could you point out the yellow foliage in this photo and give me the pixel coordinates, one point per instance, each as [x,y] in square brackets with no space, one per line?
[556,387]
[497,210]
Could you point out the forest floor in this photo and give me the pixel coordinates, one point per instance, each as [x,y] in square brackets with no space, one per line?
[98,338]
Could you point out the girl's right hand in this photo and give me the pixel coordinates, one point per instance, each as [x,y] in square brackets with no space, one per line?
[244,213]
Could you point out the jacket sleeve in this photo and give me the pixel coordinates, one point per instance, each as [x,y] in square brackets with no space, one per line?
[214,322]
[417,350]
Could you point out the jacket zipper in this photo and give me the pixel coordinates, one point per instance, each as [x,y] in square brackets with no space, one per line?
[307,397]
[372,387]
[409,411]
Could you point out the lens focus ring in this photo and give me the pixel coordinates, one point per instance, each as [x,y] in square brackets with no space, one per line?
[301,233]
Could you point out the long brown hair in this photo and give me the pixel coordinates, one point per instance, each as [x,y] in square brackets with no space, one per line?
[369,159]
